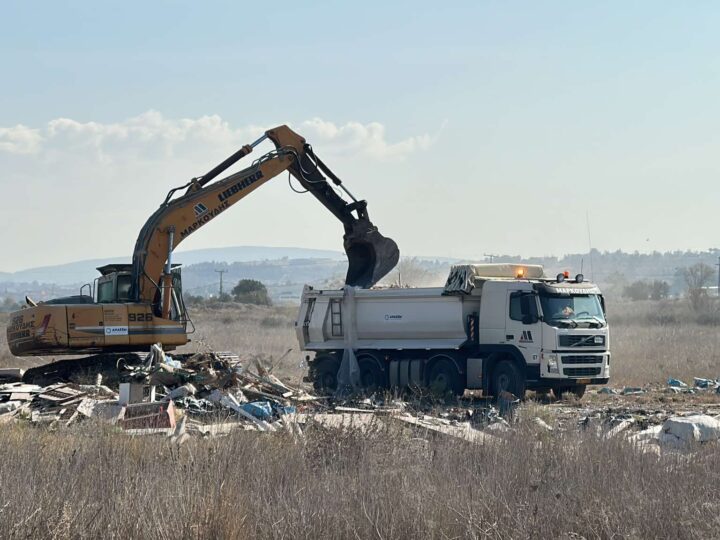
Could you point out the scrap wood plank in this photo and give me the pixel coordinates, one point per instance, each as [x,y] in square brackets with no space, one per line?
[60,394]
[21,396]
[466,432]
[19,387]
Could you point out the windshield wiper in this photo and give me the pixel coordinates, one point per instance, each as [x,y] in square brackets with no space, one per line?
[571,322]
[596,319]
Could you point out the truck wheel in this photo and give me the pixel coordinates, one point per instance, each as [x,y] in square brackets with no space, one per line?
[577,389]
[324,374]
[506,377]
[371,376]
[444,378]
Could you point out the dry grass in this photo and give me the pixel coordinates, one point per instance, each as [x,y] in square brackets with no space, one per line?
[392,483]
[652,341]
[91,481]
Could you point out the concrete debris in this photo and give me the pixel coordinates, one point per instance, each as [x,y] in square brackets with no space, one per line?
[684,431]
[446,427]
[608,390]
[539,422]
[650,434]
[620,426]
[676,383]
[706,384]
[632,391]
[680,390]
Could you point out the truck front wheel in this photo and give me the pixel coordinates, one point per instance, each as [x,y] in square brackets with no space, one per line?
[371,376]
[506,377]
[324,374]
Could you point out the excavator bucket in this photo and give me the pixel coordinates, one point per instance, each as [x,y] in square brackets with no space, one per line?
[370,255]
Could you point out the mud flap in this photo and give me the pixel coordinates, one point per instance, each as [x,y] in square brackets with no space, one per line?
[348,377]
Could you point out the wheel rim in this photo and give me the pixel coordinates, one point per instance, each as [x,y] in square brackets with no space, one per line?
[503,382]
[367,379]
[440,382]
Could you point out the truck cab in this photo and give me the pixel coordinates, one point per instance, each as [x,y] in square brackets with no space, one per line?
[557,326]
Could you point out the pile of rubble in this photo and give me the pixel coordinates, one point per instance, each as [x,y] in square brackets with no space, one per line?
[204,390]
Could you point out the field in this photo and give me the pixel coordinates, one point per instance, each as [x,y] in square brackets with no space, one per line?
[388,482]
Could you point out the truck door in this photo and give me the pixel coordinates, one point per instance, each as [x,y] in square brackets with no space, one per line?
[522,326]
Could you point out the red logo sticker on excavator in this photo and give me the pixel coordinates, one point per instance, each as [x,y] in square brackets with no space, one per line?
[41,331]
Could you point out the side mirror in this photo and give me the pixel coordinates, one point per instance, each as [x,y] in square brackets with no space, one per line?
[530,319]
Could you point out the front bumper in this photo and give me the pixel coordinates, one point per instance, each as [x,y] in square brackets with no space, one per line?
[566,366]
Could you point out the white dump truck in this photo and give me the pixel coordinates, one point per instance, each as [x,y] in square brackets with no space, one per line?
[493,327]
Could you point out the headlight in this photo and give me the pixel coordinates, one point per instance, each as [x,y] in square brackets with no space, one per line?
[552,363]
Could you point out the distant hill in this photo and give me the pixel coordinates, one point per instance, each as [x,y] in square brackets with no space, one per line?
[84,271]
[286,270]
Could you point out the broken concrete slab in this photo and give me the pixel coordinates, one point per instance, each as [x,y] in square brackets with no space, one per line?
[649,434]
[683,431]
[10,406]
[461,430]
[619,428]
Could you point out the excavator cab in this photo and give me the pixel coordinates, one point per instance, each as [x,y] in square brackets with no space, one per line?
[114,282]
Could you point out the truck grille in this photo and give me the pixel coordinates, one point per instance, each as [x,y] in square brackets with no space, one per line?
[573,340]
[582,359]
[581,371]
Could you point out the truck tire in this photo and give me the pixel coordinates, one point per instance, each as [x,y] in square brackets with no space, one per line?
[577,389]
[371,376]
[443,378]
[506,377]
[324,374]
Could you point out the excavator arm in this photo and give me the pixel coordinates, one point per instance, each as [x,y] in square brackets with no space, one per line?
[370,255]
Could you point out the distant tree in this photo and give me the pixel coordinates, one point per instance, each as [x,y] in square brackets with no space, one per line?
[617,282]
[659,290]
[251,291]
[697,278]
[9,304]
[224,297]
[637,290]
[193,300]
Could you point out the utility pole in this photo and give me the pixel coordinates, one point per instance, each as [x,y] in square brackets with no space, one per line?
[490,256]
[718,265]
[221,272]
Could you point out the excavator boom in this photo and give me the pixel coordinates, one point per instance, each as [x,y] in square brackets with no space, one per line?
[370,255]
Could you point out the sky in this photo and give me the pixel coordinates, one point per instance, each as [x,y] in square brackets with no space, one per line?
[530,128]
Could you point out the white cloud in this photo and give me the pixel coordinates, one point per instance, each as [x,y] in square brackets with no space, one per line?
[151,136]
[20,140]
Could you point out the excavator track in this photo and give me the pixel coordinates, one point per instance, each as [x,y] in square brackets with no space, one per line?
[82,370]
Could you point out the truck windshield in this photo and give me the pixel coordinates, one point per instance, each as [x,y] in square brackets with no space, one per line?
[575,310]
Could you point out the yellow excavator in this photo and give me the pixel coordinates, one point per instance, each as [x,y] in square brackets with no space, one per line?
[130,307]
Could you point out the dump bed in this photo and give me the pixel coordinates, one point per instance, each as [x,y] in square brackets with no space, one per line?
[394,318]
